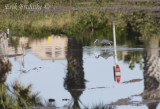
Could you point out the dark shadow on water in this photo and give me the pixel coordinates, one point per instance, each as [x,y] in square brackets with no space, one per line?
[75,75]
[74,81]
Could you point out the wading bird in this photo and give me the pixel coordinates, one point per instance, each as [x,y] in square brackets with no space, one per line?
[104,42]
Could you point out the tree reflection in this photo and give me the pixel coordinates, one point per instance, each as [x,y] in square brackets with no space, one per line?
[17,96]
[151,73]
[74,81]
[131,58]
[5,65]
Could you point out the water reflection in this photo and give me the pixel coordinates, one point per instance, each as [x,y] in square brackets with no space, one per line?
[5,65]
[151,93]
[151,73]
[74,81]
[15,96]
[104,54]
[51,48]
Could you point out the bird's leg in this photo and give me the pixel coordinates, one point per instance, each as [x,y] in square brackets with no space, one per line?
[105,48]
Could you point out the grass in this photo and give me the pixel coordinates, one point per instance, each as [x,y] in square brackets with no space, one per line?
[18,97]
[85,24]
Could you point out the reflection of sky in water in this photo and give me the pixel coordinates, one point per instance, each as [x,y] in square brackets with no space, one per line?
[100,73]
[49,79]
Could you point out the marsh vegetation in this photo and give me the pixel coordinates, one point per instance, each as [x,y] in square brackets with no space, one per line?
[82,21]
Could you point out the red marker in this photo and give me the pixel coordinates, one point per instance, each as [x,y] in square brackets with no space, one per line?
[117,74]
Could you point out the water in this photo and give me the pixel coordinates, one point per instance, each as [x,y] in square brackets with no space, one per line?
[62,69]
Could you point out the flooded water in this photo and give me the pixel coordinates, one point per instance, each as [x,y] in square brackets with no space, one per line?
[74,75]
[48,58]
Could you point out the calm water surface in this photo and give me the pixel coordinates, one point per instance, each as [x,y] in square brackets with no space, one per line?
[62,69]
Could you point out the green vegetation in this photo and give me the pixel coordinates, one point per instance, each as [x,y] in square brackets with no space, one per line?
[132,58]
[18,97]
[85,24]
[143,3]
[54,2]
[86,21]
[102,106]
[80,2]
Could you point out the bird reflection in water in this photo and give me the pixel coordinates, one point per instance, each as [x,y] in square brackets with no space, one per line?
[105,55]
